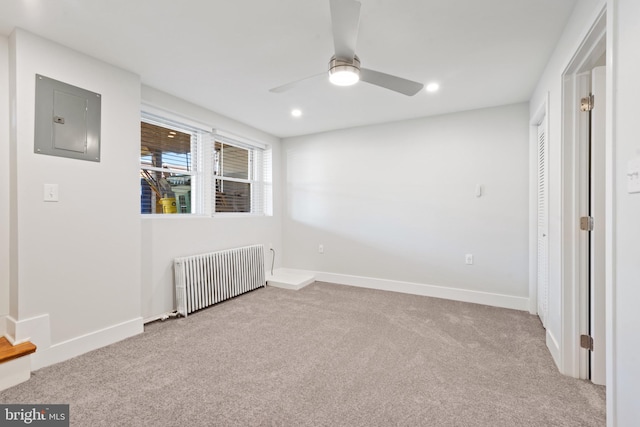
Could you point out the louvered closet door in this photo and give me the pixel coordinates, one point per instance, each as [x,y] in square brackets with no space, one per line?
[543,223]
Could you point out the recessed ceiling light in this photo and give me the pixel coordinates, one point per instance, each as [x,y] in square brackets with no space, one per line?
[433,87]
[296,112]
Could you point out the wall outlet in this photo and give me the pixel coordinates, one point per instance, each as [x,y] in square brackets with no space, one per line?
[468,259]
[321,249]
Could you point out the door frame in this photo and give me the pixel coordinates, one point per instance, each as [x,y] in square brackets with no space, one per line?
[542,112]
[574,306]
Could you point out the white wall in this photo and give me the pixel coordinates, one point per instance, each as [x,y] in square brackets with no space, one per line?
[4,181]
[77,261]
[626,293]
[165,237]
[397,202]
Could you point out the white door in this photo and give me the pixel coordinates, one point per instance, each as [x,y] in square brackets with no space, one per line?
[543,223]
[597,236]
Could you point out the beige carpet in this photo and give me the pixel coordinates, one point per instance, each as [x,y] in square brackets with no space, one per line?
[327,355]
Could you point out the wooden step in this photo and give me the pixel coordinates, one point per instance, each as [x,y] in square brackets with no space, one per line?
[9,352]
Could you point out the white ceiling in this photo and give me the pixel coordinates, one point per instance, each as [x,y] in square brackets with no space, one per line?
[225,55]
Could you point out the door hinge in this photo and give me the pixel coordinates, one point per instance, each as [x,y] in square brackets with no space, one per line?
[586,103]
[586,223]
[586,341]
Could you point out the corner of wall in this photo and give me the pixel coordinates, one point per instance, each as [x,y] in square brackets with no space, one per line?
[4,182]
[74,300]
[3,325]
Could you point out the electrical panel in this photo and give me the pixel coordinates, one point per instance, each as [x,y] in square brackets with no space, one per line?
[67,120]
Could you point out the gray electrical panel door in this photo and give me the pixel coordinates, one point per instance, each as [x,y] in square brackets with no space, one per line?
[67,120]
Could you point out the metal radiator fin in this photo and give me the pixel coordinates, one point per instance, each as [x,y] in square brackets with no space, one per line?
[206,279]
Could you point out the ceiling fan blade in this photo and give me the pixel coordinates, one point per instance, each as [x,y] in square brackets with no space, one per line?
[345,19]
[387,81]
[291,85]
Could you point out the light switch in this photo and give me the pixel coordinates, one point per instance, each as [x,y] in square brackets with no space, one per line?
[633,176]
[51,192]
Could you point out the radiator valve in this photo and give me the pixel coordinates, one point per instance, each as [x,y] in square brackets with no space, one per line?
[168,315]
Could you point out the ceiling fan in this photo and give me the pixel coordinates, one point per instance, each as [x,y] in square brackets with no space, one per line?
[344,66]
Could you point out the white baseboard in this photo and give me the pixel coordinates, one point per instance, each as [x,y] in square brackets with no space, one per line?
[65,350]
[456,294]
[14,372]
[3,325]
[35,329]
[554,349]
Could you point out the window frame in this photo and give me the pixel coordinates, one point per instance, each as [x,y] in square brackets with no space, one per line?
[254,170]
[195,154]
[203,177]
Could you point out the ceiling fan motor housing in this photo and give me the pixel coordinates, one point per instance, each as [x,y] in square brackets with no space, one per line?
[344,67]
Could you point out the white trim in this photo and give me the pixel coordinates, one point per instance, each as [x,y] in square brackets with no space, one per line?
[162,113]
[239,215]
[65,350]
[570,304]
[610,206]
[570,307]
[14,372]
[585,55]
[172,217]
[36,329]
[240,180]
[581,135]
[456,294]
[3,324]
[554,348]
[541,113]
[235,139]
[596,323]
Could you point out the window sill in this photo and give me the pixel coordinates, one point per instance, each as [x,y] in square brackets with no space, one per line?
[173,217]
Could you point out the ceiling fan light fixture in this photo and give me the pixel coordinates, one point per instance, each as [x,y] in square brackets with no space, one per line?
[344,66]
[346,77]
[344,73]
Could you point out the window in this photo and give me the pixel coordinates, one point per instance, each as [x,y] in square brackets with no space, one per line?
[233,188]
[188,170]
[167,171]
[240,183]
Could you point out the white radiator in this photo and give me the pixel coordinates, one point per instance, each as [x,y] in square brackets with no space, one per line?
[206,279]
